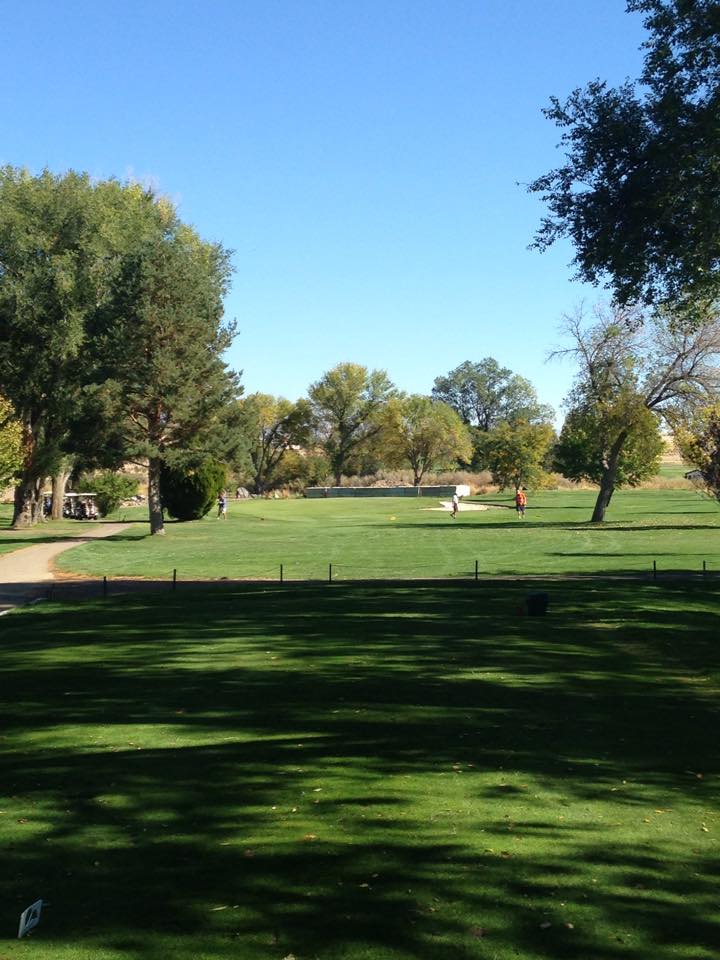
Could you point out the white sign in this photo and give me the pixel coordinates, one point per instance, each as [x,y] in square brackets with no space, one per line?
[30,918]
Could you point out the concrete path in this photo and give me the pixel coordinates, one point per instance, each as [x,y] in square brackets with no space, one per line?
[26,574]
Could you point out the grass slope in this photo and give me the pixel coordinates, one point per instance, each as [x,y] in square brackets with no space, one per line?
[364,773]
[398,538]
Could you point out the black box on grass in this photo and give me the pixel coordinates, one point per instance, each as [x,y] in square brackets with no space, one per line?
[537,604]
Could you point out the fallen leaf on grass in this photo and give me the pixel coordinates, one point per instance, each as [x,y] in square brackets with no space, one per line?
[310,836]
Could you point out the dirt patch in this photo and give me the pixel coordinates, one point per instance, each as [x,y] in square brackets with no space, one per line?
[446,505]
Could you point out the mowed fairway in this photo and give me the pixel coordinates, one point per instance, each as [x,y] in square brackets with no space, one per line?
[396,538]
[364,773]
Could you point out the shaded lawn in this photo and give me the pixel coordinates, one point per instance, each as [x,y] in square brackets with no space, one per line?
[365,772]
[401,537]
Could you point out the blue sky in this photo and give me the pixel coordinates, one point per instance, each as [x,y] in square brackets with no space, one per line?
[361,159]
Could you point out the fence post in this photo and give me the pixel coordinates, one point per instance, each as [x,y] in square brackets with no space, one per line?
[104,586]
[476,571]
[330,573]
[281,573]
[654,569]
[174,578]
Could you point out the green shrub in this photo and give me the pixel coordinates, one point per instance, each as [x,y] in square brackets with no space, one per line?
[188,493]
[111,488]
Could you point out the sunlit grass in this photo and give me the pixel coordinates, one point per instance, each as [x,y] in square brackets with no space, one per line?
[397,538]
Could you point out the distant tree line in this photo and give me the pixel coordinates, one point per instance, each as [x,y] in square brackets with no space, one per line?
[354,421]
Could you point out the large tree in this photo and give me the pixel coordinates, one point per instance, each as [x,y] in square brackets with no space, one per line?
[485,394]
[631,363]
[270,427]
[591,431]
[50,252]
[639,191]
[516,454]
[160,386]
[347,402]
[62,238]
[425,433]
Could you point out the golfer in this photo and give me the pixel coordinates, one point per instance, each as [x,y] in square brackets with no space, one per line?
[455,505]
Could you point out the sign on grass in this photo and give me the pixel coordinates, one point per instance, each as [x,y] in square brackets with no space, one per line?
[30,918]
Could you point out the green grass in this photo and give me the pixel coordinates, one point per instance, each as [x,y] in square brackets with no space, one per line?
[397,538]
[364,773]
[674,471]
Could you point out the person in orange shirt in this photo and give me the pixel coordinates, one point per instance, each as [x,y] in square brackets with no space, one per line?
[520,503]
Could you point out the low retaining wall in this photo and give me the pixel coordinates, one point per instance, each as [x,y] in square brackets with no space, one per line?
[446,490]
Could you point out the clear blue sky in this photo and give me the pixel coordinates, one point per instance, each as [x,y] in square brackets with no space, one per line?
[361,157]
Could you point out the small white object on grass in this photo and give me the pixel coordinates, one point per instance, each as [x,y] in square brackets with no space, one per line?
[30,918]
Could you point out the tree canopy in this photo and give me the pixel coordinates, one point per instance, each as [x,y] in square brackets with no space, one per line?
[517,453]
[271,426]
[698,438]
[428,434]
[485,394]
[347,402]
[52,259]
[110,325]
[639,191]
[158,379]
[589,432]
[10,443]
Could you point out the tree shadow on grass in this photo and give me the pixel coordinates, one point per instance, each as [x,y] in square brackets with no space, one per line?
[531,524]
[345,772]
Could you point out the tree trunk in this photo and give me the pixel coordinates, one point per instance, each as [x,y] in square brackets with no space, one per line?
[23,512]
[607,481]
[37,503]
[59,482]
[23,503]
[337,464]
[157,525]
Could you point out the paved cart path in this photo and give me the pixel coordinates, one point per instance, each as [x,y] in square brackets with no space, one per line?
[26,573]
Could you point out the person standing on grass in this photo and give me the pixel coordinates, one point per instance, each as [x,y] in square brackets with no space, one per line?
[222,506]
[520,503]
[455,505]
